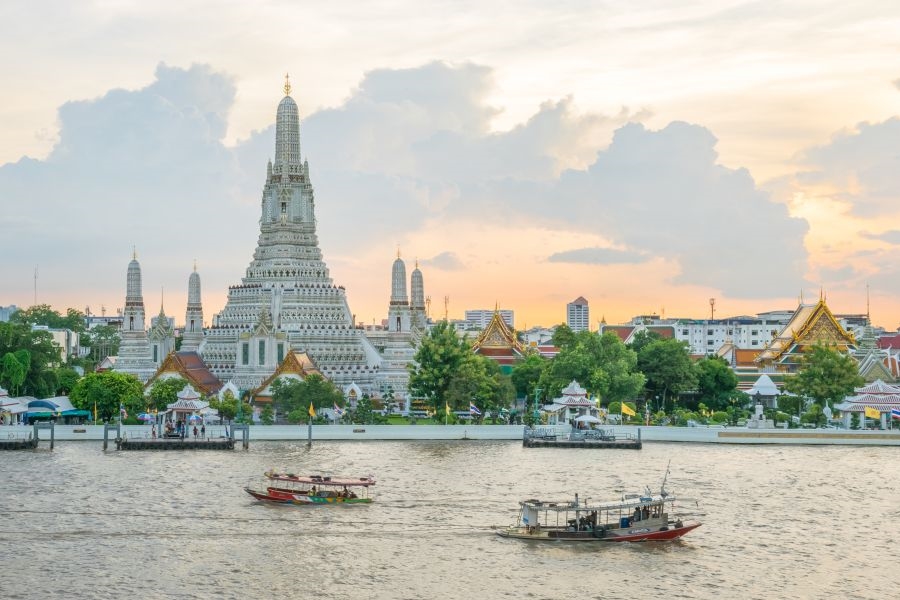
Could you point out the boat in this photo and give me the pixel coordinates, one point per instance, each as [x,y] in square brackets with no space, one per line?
[288,488]
[633,518]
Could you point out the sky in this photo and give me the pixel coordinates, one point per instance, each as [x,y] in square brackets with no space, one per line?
[523,154]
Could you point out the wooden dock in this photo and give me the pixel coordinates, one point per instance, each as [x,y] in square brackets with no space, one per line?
[19,444]
[175,444]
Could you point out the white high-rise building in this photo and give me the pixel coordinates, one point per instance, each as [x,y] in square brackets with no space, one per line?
[578,316]
[478,319]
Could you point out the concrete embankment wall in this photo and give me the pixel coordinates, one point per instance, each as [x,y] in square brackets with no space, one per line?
[707,435]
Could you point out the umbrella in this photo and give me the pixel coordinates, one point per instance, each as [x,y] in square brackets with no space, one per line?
[146,417]
[587,419]
[195,419]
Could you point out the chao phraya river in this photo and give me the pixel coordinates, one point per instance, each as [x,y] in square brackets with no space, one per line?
[778,522]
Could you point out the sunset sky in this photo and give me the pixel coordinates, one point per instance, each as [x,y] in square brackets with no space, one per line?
[525,153]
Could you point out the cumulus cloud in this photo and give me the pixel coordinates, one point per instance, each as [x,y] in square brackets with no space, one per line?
[861,165]
[897,83]
[408,148]
[597,256]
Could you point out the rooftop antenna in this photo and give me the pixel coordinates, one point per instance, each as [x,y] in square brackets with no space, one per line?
[428,306]
[35,284]
[712,309]
[446,308]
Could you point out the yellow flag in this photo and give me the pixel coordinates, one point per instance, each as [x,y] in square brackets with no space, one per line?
[312,410]
[447,406]
[873,413]
[626,410]
[95,411]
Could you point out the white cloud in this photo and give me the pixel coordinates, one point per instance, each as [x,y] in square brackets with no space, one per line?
[408,150]
[597,256]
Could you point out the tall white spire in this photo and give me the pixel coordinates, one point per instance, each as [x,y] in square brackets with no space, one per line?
[193,316]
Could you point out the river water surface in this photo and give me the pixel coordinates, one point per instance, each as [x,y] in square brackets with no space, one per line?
[778,522]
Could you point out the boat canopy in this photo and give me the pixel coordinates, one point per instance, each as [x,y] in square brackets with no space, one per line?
[322,479]
[626,503]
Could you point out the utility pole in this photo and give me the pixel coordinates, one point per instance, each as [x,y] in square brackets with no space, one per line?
[35,284]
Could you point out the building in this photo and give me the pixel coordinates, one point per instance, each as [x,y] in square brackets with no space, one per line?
[578,315]
[134,356]
[286,305]
[6,312]
[498,342]
[478,319]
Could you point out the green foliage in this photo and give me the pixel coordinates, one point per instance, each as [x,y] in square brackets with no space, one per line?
[66,379]
[854,420]
[37,351]
[643,338]
[826,375]
[267,415]
[615,409]
[814,415]
[292,397]
[716,382]
[12,373]
[668,368]
[228,407]
[602,364]
[478,379]
[563,336]
[108,390]
[439,357]
[165,391]
[42,314]
[719,416]
[527,372]
[365,413]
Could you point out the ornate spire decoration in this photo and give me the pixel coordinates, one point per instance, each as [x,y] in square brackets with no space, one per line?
[287,84]
[134,252]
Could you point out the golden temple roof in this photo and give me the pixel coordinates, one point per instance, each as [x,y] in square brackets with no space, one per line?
[810,324]
[498,334]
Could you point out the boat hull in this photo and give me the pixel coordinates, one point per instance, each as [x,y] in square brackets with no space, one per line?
[636,534]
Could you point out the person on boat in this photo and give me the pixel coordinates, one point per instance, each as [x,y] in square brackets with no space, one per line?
[312,491]
[637,514]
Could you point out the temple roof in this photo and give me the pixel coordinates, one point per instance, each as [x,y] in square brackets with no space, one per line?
[497,335]
[295,363]
[810,324]
[191,367]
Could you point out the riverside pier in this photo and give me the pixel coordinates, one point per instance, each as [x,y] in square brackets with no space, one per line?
[591,438]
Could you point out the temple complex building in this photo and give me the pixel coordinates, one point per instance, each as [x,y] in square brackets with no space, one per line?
[286,317]
[134,348]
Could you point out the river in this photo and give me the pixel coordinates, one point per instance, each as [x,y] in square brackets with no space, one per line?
[778,522]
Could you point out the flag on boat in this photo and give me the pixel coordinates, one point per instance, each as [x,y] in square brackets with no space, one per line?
[473,410]
[337,409]
[627,410]
[895,413]
[312,410]
[872,413]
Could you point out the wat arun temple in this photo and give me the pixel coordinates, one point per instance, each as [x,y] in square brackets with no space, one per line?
[286,316]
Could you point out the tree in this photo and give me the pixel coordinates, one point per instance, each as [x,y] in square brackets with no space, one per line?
[66,379]
[642,338]
[527,372]
[601,363]
[563,336]
[228,406]
[164,392]
[479,380]
[12,373]
[365,413]
[42,314]
[292,397]
[826,375]
[668,368]
[716,382]
[107,391]
[439,357]
[37,351]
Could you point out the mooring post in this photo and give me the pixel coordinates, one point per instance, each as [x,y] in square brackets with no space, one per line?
[309,434]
